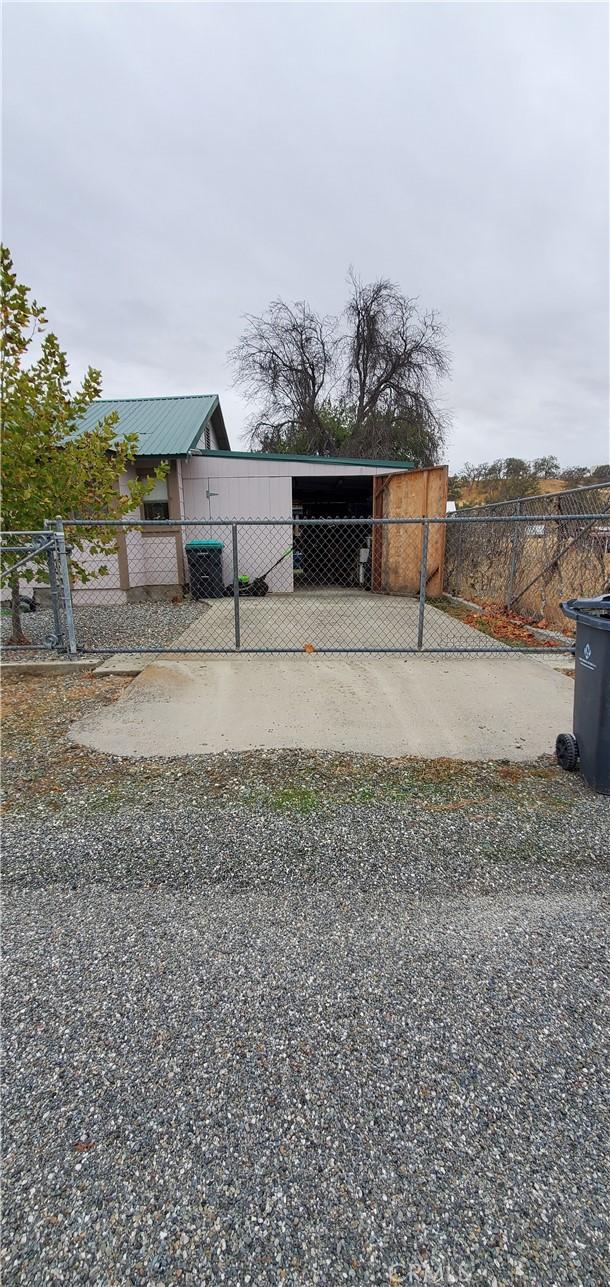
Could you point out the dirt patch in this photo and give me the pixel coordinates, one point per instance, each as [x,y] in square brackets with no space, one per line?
[37,711]
[43,770]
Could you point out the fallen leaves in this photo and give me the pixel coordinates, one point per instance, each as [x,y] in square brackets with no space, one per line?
[507,628]
[494,620]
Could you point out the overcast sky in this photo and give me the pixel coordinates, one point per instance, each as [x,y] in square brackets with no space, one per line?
[169,167]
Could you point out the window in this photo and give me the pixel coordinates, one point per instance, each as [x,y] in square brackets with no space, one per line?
[156,504]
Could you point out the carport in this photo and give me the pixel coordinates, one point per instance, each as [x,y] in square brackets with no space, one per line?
[332,556]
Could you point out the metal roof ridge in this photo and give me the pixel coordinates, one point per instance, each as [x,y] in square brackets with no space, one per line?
[163,397]
[320,460]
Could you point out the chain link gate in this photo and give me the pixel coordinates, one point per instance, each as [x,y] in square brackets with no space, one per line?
[41,560]
[329,585]
[291,585]
[264,585]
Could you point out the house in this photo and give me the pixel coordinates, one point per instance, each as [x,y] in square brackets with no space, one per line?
[207,481]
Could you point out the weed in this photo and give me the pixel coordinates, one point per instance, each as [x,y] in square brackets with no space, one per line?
[297,798]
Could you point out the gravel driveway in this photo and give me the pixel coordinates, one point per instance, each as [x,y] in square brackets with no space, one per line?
[109,626]
[304,1040]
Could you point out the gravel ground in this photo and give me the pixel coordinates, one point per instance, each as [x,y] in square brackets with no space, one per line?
[347,1029]
[108,626]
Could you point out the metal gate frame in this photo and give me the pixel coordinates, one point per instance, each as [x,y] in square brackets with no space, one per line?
[455,521]
[51,544]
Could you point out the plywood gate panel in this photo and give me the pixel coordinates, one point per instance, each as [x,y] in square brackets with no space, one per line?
[420,493]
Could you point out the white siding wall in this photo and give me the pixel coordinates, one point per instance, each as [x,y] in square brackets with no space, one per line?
[102,589]
[251,492]
[240,489]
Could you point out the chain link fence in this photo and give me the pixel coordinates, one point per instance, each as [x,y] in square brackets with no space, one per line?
[277,585]
[35,578]
[357,585]
[529,566]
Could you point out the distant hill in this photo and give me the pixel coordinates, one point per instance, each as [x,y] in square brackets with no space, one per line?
[481,493]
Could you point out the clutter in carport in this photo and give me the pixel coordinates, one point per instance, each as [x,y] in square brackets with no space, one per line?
[257,588]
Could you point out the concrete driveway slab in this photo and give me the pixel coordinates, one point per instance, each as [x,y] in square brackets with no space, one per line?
[463,707]
[334,618]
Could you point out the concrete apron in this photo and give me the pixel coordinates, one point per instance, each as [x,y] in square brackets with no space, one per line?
[487,707]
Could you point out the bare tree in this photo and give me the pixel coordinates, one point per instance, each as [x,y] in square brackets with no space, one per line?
[394,356]
[367,389]
[284,360]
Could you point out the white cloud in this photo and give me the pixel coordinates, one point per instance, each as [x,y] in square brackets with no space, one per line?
[170,167]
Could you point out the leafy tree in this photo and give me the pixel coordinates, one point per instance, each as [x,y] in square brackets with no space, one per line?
[514,467]
[546,467]
[48,466]
[363,384]
[502,479]
[473,473]
[511,478]
[338,421]
[513,486]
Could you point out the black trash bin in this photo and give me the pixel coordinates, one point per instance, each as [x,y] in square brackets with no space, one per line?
[205,569]
[590,740]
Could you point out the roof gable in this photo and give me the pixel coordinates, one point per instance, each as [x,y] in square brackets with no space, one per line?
[164,426]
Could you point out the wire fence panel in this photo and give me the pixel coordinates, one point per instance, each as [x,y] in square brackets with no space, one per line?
[531,566]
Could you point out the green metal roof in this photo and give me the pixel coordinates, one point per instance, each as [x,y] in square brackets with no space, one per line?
[165,426]
[310,460]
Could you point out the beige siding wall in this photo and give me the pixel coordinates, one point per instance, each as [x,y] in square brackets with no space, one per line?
[252,489]
[239,488]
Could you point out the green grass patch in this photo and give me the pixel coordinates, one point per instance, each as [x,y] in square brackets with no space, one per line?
[298,799]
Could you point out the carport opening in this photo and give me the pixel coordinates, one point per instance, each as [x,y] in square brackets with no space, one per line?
[331,556]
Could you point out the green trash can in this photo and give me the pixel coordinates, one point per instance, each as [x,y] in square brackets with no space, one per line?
[205,569]
[589,742]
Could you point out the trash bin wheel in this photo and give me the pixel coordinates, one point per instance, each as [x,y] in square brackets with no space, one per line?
[566,750]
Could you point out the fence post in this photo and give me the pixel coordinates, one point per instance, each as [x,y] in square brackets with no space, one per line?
[510,588]
[458,560]
[64,572]
[423,580]
[54,588]
[236,586]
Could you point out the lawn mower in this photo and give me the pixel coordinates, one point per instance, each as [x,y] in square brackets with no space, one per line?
[257,588]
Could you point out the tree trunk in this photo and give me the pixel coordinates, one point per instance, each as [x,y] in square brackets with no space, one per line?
[17,635]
